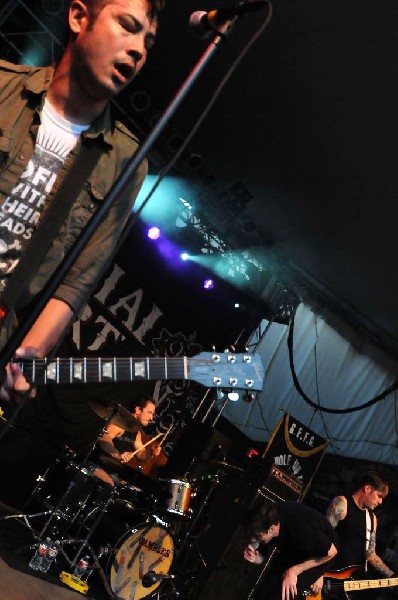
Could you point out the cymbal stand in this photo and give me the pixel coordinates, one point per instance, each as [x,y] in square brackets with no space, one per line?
[25,516]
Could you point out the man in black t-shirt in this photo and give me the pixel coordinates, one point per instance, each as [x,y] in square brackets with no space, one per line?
[356,528]
[306,543]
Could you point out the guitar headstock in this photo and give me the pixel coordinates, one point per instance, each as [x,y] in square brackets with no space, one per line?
[227,370]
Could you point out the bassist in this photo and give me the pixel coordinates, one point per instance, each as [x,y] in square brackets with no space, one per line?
[356,524]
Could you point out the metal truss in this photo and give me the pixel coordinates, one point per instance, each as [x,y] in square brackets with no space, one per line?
[39,26]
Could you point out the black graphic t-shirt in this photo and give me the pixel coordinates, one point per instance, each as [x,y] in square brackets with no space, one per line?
[21,210]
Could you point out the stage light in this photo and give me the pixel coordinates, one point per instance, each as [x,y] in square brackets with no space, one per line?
[184,256]
[249,396]
[236,305]
[231,396]
[208,284]
[153,233]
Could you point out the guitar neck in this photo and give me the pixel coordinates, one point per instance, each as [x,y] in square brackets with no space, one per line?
[367,584]
[98,370]
[239,371]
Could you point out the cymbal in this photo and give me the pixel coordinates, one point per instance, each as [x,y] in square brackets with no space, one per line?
[116,413]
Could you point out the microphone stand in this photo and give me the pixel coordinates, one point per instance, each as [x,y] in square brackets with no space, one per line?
[55,279]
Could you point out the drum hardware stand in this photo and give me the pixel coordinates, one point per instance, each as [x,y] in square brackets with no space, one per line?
[79,467]
[189,537]
[95,557]
[26,516]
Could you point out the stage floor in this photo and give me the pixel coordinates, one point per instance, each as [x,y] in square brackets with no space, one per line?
[17,585]
[19,582]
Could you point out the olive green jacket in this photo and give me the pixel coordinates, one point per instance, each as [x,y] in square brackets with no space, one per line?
[22,91]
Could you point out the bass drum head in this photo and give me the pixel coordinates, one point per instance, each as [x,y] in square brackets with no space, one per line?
[147,548]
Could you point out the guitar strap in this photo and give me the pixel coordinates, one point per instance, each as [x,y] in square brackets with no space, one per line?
[369,532]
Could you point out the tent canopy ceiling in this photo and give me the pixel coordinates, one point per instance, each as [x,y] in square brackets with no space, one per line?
[308,125]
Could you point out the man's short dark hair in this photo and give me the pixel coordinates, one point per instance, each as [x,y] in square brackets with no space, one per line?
[375,480]
[95,7]
[261,518]
[141,402]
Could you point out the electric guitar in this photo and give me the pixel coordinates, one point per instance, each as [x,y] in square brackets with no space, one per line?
[211,369]
[337,583]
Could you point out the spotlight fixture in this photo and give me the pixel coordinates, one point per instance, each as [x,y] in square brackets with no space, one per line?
[184,256]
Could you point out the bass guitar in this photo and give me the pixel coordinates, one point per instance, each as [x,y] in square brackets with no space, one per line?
[338,583]
[211,369]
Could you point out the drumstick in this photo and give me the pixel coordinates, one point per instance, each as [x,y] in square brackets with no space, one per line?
[165,435]
[146,444]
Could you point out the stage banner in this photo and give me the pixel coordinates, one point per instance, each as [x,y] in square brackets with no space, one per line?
[296,449]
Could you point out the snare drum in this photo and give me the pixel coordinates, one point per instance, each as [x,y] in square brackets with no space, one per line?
[147,548]
[180,496]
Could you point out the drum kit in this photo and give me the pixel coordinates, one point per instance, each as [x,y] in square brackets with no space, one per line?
[133,533]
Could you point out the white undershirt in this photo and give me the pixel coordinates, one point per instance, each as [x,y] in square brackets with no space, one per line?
[57,134]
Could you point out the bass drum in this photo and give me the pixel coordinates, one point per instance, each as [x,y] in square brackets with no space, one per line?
[146,548]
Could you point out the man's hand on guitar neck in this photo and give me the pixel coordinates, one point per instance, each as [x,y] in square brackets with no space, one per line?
[15,385]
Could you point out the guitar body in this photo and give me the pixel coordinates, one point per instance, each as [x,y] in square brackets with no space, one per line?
[333,588]
[346,573]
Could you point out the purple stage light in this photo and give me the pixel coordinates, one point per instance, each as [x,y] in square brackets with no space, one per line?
[208,284]
[153,233]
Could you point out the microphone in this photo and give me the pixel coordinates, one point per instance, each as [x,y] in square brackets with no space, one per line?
[203,23]
[151,577]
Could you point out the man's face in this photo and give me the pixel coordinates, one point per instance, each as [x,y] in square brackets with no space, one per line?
[146,414]
[267,536]
[109,52]
[372,498]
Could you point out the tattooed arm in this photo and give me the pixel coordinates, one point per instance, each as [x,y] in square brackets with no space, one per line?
[337,510]
[372,557]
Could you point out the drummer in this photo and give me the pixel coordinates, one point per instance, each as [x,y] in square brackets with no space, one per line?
[123,444]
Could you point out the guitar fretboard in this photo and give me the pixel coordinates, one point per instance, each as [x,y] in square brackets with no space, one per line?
[98,370]
[367,584]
